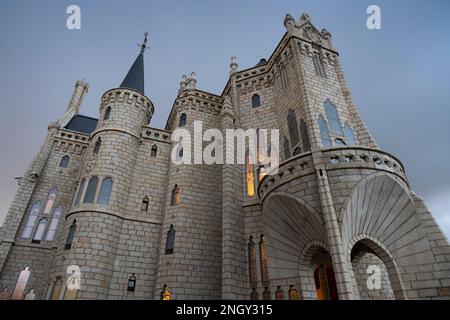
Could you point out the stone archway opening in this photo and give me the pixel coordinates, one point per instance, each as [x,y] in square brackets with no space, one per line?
[375,273]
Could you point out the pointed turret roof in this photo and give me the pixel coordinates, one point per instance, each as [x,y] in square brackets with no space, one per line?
[135,76]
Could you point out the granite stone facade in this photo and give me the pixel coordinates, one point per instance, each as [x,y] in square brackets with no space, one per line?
[337,207]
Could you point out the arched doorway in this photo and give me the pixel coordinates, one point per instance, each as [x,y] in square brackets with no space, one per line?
[323,273]
[290,227]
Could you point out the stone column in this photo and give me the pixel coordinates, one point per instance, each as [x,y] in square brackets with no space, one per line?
[340,266]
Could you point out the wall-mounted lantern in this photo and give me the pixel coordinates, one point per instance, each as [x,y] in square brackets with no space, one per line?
[131,282]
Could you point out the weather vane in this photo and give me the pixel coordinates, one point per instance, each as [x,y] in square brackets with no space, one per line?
[144,44]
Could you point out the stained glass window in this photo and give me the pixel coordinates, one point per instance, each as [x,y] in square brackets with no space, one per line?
[105,191]
[53,193]
[54,223]
[324,133]
[39,233]
[90,190]
[170,241]
[264,262]
[32,218]
[333,118]
[349,134]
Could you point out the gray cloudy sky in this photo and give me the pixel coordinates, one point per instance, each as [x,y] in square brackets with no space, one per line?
[398,75]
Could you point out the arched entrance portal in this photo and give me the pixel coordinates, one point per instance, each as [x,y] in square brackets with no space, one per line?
[324,279]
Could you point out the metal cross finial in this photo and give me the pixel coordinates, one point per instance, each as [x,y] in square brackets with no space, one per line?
[144,44]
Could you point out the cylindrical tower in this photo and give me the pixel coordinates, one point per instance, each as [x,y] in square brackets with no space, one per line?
[93,226]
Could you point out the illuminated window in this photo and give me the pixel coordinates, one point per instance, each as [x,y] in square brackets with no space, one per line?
[144,206]
[54,223]
[305,135]
[64,163]
[97,146]
[183,119]
[165,293]
[107,113]
[250,176]
[105,191]
[80,192]
[90,190]
[293,293]
[333,118]
[262,172]
[39,233]
[170,241]
[175,200]
[154,151]
[252,263]
[56,289]
[53,193]
[292,128]
[264,262]
[324,133]
[32,218]
[349,134]
[70,235]
[21,284]
[256,101]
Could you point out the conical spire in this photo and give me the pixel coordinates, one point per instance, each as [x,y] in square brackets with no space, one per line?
[135,76]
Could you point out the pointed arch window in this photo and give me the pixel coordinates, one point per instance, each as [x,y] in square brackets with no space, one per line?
[250,176]
[318,65]
[256,101]
[64,163]
[305,135]
[105,191]
[97,146]
[90,190]
[175,200]
[293,128]
[70,235]
[54,223]
[183,119]
[252,263]
[39,233]
[324,133]
[144,206]
[31,221]
[264,262]
[107,113]
[170,241]
[21,283]
[287,151]
[154,151]
[80,192]
[333,118]
[349,134]
[50,201]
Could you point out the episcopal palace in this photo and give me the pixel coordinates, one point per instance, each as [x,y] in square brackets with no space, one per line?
[103,213]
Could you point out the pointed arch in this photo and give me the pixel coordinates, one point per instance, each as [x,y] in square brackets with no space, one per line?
[107,114]
[183,120]
[105,191]
[91,190]
[293,128]
[349,134]
[64,163]
[324,133]
[40,229]
[333,118]
[97,145]
[50,201]
[170,240]
[31,221]
[154,151]
[70,235]
[54,222]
